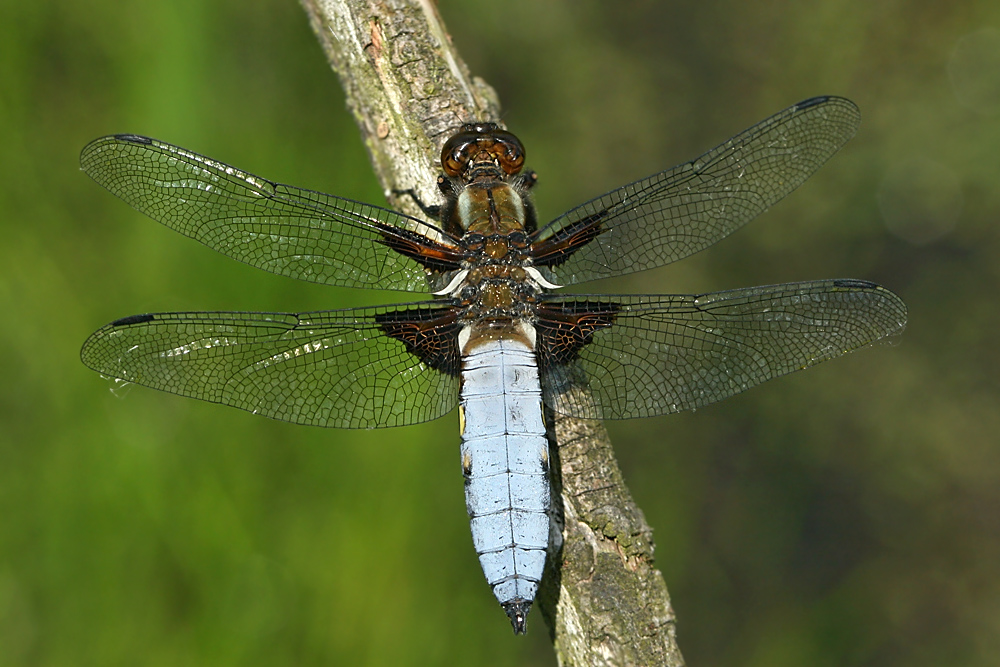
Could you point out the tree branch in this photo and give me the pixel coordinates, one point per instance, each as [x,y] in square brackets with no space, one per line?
[406,86]
[604,602]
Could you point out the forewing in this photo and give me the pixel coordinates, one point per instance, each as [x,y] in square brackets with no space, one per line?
[642,356]
[333,368]
[279,228]
[683,210]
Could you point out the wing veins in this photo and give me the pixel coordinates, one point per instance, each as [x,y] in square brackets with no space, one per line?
[668,353]
[280,228]
[324,368]
[680,211]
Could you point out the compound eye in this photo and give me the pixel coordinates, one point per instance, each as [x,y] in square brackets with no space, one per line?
[508,151]
[458,151]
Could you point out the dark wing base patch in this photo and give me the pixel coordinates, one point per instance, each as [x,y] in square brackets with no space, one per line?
[564,328]
[430,334]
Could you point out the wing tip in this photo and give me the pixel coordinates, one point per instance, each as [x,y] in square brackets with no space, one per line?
[133,138]
[132,319]
[814,101]
[855,283]
[102,144]
[819,100]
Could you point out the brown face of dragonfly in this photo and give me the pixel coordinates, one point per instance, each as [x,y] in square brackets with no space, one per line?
[481,147]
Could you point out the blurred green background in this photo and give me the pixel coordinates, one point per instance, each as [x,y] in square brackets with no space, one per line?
[848,515]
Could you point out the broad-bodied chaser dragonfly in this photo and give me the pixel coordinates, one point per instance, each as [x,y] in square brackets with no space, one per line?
[494,339]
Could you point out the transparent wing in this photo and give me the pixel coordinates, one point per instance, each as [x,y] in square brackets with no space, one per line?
[683,210]
[279,228]
[333,368]
[652,355]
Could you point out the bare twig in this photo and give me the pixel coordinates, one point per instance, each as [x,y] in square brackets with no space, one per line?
[604,602]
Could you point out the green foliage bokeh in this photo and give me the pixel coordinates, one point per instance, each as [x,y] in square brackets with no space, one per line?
[848,515]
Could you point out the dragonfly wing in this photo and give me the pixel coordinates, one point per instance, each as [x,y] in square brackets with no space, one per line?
[343,368]
[680,211]
[279,228]
[643,356]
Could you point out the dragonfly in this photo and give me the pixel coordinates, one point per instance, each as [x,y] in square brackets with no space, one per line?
[493,336]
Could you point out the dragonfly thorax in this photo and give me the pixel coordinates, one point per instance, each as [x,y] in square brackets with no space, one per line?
[490,208]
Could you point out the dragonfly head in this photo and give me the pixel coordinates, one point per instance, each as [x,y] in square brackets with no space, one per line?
[482,149]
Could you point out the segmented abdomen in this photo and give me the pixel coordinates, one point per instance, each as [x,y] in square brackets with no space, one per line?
[505,461]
